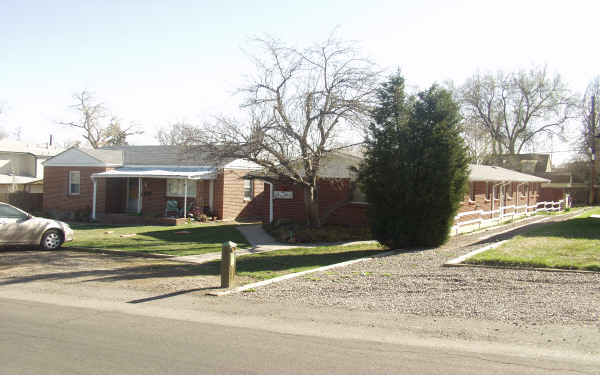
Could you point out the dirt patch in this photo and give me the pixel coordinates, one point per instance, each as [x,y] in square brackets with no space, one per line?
[92,270]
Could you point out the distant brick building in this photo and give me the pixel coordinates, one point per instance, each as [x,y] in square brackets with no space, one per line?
[561,182]
[494,193]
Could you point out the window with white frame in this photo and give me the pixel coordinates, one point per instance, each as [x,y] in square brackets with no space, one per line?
[176,188]
[248,190]
[74,182]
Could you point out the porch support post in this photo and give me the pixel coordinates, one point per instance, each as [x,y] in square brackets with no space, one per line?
[270,201]
[95,183]
[185,193]
[139,206]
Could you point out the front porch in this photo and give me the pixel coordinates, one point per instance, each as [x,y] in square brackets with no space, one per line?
[152,196]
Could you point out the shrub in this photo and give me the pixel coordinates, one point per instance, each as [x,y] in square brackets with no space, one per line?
[416,168]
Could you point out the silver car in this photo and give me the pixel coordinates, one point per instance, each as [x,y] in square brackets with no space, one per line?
[17,227]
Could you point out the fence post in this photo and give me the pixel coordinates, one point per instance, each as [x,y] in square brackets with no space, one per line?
[228,263]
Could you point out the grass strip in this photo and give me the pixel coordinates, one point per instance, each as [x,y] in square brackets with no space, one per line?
[571,244]
[189,239]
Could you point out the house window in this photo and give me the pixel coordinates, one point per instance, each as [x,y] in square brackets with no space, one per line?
[176,188]
[509,192]
[74,182]
[248,190]
[488,190]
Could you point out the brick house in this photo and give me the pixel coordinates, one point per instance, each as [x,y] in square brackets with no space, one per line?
[111,184]
[494,193]
[340,202]
[560,184]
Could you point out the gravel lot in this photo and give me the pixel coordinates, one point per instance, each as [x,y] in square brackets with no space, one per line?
[90,272]
[416,283]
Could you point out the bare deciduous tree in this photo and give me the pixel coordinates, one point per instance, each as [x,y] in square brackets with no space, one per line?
[299,103]
[516,108]
[589,128]
[590,119]
[179,133]
[478,142]
[91,117]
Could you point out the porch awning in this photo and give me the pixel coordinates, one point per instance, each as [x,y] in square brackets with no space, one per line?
[190,173]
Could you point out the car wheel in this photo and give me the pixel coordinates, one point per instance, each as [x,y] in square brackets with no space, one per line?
[51,240]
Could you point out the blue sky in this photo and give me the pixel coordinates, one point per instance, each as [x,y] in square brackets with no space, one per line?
[156,62]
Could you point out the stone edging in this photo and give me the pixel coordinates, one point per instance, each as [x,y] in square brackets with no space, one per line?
[297,274]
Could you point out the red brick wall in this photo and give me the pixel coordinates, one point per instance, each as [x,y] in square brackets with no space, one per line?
[56,190]
[116,194]
[229,196]
[154,196]
[331,193]
[481,202]
[552,194]
[202,195]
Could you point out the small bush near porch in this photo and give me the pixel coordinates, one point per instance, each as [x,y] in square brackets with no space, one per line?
[300,233]
[570,244]
[189,239]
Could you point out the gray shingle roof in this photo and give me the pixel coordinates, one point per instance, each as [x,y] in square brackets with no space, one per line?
[107,156]
[163,155]
[493,173]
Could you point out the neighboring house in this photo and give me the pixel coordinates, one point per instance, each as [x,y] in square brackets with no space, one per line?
[147,180]
[560,183]
[494,193]
[21,166]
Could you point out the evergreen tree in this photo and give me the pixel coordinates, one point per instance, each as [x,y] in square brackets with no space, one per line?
[416,168]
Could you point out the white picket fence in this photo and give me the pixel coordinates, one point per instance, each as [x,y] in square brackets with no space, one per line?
[499,215]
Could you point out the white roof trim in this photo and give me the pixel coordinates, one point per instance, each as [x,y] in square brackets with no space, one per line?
[242,164]
[160,172]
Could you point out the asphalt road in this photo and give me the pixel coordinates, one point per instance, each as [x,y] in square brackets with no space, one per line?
[37,338]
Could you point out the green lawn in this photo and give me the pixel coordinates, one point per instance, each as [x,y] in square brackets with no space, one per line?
[202,238]
[571,244]
[276,263]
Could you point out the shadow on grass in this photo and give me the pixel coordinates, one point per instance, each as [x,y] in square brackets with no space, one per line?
[171,240]
[576,228]
[214,234]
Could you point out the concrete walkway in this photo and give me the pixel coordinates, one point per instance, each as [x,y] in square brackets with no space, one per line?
[261,242]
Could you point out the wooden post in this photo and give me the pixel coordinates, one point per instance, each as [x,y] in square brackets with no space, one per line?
[228,264]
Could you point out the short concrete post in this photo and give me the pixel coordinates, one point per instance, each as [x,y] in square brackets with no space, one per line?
[228,264]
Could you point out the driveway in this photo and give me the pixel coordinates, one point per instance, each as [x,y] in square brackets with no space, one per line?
[90,273]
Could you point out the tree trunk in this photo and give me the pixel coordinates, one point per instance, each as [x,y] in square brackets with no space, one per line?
[311,207]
